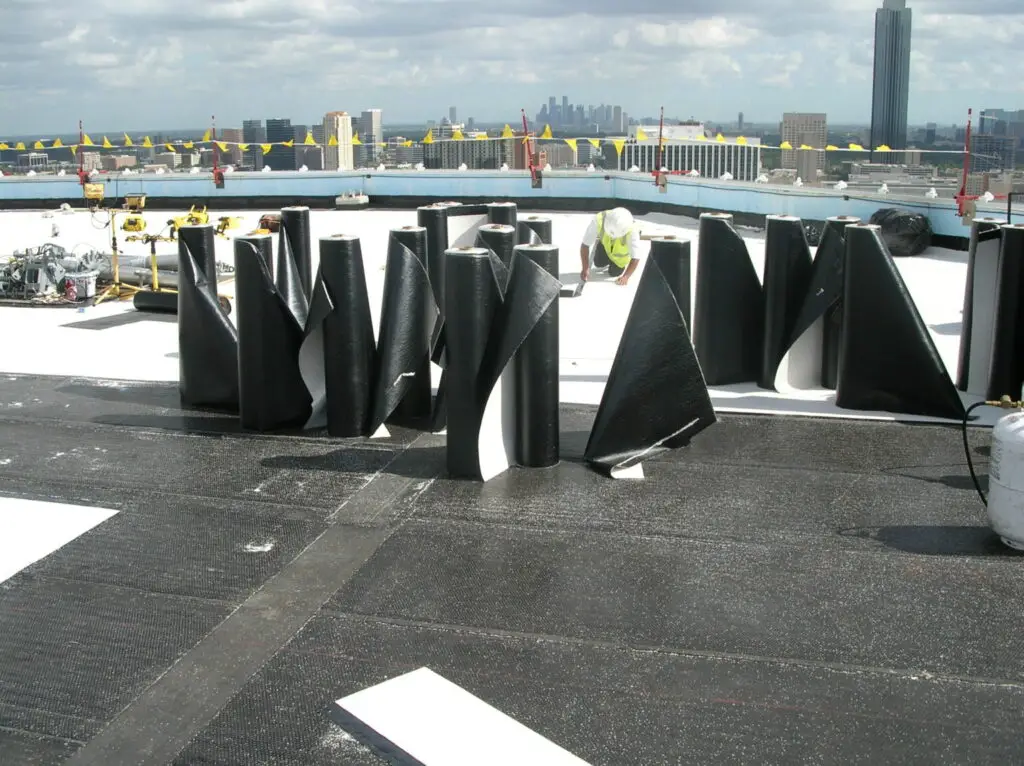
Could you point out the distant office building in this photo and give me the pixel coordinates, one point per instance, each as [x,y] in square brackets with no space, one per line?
[993,154]
[169,160]
[299,133]
[33,161]
[929,133]
[1002,122]
[310,156]
[233,136]
[739,122]
[452,114]
[891,89]
[91,161]
[804,129]
[254,134]
[317,129]
[338,125]
[371,132]
[476,155]
[280,157]
[682,150]
[119,161]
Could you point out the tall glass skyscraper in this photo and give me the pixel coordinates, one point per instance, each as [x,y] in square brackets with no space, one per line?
[891,90]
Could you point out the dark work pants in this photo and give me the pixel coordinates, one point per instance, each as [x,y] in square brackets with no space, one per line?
[601,260]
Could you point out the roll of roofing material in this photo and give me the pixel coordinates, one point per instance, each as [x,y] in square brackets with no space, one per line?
[811,356]
[487,328]
[888,361]
[729,308]
[655,398]
[534,230]
[155,302]
[1006,374]
[434,218]
[295,243]
[979,313]
[207,340]
[500,239]
[828,277]
[787,277]
[272,394]
[473,298]
[339,352]
[402,389]
[504,213]
[536,370]
[673,258]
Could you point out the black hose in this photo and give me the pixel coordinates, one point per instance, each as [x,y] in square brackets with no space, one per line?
[967,451]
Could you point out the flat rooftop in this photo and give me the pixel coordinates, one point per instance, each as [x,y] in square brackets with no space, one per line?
[788,588]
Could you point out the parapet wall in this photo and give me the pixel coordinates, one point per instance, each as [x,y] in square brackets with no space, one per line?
[564,190]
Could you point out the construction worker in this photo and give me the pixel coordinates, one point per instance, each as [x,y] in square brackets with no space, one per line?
[611,240]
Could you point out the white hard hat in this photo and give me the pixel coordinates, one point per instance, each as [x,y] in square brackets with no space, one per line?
[618,222]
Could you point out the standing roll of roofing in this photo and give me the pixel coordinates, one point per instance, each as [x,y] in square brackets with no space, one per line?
[832,320]
[292,272]
[812,349]
[473,297]
[272,394]
[673,258]
[504,213]
[207,340]
[729,308]
[500,239]
[536,372]
[787,277]
[979,313]
[339,351]
[656,397]
[534,230]
[1006,374]
[402,385]
[888,360]
[434,218]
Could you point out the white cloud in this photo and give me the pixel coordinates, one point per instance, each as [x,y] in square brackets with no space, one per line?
[264,58]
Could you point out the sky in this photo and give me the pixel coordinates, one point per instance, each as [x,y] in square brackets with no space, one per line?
[150,63]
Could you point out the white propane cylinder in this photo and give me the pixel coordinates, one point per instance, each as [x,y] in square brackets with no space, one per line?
[1006,480]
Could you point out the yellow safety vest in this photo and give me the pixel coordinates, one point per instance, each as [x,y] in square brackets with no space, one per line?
[617,250]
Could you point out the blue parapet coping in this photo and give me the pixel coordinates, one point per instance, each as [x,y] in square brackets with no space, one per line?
[700,193]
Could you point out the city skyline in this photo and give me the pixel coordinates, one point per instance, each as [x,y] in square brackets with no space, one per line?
[199,58]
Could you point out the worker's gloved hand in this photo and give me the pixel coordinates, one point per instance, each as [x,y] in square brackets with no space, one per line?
[585,274]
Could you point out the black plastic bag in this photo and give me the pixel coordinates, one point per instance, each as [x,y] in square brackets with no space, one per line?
[903,232]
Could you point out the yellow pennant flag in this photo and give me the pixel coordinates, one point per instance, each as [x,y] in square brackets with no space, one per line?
[57,144]
[170,148]
[407,143]
[595,142]
[805,147]
[37,145]
[147,143]
[883,148]
[20,146]
[507,132]
[221,145]
[128,140]
[86,141]
[619,144]
[481,136]
[720,138]
[702,137]
[74,150]
[355,139]
[785,145]
[309,139]
[831,148]
[572,143]
[189,145]
[742,141]
[641,135]
[429,138]
[106,143]
[206,136]
[457,135]
[289,143]
[856,148]
[243,147]
[332,141]
[547,132]
[266,148]
[3,146]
